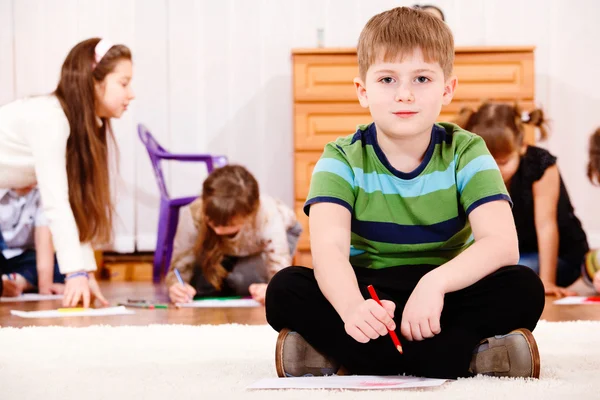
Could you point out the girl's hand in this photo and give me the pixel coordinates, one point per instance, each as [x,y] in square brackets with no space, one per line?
[77,289]
[95,291]
[421,316]
[82,288]
[368,320]
[179,293]
[258,291]
[552,290]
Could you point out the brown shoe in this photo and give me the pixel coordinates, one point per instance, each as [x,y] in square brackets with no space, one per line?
[515,355]
[295,357]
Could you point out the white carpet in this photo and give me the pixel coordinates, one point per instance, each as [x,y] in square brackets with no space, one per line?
[176,362]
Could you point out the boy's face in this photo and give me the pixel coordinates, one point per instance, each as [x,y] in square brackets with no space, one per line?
[405,97]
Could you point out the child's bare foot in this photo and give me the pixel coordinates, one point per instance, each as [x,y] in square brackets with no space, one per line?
[258,292]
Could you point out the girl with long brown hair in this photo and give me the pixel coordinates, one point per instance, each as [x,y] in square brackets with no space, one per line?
[232,239]
[60,141]
[551,239]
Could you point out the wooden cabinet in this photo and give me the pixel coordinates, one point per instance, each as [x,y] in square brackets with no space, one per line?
[326,107]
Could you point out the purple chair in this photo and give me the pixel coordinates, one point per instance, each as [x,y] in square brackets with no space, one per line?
[169,208]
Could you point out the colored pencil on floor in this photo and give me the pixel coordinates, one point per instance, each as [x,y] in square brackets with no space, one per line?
[144,305]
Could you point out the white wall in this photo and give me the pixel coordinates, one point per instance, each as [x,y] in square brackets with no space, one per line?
[215,76]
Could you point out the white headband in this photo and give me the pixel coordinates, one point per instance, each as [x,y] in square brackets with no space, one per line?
[100,51]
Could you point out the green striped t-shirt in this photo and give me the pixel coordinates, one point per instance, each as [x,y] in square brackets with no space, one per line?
[407,218]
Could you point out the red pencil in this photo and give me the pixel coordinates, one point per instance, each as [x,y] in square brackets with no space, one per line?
[392,333]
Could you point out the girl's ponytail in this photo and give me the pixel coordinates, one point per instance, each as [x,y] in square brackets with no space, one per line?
[537,119]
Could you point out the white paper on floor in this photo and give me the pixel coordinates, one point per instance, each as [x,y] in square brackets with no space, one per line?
[220,303]
[355,382]
[31,297]
[88,312]
[577,300]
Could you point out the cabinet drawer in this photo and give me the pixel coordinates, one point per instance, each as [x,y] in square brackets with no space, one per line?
[317,124]
[485,75]
[303,168]
[325,77]
[504,76]
[304,242]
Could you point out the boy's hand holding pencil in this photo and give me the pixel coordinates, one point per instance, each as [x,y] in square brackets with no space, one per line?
[370,320]
[392,333]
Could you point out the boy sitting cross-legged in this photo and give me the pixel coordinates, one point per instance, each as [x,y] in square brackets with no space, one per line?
[418,210]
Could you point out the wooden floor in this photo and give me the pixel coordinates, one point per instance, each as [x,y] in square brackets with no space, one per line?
[118,292]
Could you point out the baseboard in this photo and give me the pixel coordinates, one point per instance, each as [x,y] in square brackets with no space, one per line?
[137,257]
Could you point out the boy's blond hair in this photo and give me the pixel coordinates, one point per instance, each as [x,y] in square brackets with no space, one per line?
[393,34]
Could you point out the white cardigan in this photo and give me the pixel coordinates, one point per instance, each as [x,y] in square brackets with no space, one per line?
[33,146]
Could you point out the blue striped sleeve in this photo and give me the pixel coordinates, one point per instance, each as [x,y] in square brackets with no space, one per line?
[478,178]
[336,167]
[482,163]
[332,179]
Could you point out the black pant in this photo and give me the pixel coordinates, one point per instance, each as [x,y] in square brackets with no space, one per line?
[243,271]
[510,298]
[25,264]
